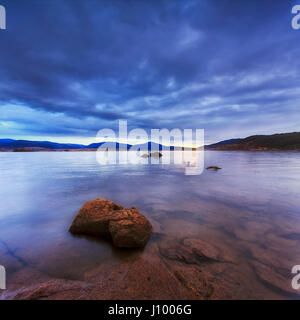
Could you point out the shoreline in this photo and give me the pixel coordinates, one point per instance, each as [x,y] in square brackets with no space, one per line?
[188,150]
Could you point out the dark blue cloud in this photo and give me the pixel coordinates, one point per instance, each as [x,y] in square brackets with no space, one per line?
[71,67]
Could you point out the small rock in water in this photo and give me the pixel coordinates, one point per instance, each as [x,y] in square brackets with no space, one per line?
[127,228]
[156,154]
[153,155]
[213,168]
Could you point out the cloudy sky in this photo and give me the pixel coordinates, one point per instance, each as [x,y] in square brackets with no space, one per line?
[69,68]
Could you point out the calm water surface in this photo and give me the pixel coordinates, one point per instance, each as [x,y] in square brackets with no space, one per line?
[250,209]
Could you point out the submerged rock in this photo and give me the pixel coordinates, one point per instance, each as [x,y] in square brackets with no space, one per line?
[127,228]
[190,251]
[273,279]
[143,277]
[202,248]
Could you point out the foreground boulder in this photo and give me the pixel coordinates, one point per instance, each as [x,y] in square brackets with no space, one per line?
[127,228]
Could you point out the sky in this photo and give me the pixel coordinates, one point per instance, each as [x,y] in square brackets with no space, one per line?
[69,68]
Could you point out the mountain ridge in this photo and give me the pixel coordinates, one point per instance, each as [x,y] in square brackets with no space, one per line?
[275,142]
[27,145]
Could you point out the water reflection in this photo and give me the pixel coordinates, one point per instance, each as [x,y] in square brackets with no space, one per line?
[249,211]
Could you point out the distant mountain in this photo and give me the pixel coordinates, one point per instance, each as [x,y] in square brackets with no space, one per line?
[6,140]
[20,144]
[153,146]
[283,141]
[148,146]
[109,146]
[222,143]
[26,145]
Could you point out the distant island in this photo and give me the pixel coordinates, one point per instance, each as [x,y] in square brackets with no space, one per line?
[275,142]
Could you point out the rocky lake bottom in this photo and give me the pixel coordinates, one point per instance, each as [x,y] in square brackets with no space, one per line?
[227,234]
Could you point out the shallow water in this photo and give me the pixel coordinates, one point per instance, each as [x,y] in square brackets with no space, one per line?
[250,210]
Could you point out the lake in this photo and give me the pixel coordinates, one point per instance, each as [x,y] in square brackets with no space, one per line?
[249,211]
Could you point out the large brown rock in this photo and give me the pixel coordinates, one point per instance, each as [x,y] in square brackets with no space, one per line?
[103,218]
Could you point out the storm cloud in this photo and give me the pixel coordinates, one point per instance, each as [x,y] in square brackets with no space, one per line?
[69,68]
